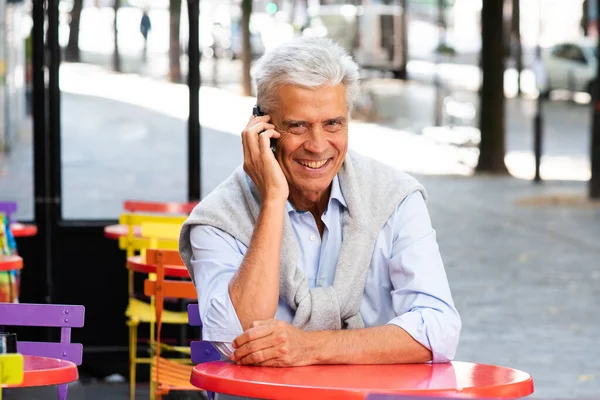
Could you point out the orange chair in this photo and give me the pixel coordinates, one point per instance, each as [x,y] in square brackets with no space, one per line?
[157,231]
[166,374]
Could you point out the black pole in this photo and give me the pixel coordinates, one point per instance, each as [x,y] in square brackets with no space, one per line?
[537,139]
[40,165]
[41,159]
[538,119]
[54,160]
[54,112]
[194,166]
[594,185]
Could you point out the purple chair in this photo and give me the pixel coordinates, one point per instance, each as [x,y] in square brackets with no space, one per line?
[202,351]
[47,315]
[8,208]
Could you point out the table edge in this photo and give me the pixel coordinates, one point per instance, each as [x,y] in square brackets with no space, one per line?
[68,374]
[251,389]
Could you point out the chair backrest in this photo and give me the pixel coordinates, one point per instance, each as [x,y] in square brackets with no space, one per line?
[169,257]
[160,231]
[202,351]
[161,287]
[132,243]
[46,315]
[136,206]
[8,208]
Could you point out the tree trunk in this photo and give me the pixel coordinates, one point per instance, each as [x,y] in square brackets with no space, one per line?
[585,17]
[246,49]
[516,39]
[439,90]
[72,50]
[402,73]
[116,55]
[491,123]
[174,45]
[292,15]
[441,22]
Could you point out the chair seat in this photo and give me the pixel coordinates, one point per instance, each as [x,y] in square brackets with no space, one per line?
[139,311]
[173,376]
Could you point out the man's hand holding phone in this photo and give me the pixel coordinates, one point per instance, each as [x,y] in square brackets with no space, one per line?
[259,160]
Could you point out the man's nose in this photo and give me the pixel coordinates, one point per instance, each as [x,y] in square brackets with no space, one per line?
[317,141]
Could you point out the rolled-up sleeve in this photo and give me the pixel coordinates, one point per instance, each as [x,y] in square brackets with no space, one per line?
[421,295]
[216,258]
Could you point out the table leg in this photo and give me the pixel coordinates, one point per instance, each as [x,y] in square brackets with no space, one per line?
[62,391]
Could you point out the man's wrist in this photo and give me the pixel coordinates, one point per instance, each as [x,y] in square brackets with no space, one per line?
[316,348]
[274,202]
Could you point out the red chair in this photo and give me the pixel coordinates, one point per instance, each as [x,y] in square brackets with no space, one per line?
[159,207]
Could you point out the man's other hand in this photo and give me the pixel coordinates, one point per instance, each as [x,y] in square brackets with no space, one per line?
[272,343]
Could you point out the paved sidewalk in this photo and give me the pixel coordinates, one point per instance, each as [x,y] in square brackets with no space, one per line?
[525,278]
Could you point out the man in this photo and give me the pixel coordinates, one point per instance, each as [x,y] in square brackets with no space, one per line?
[311,254]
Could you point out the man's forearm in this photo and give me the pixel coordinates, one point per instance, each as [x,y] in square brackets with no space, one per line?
[388,344]
[254,289]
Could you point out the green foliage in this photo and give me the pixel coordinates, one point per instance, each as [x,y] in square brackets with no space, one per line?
[446,50]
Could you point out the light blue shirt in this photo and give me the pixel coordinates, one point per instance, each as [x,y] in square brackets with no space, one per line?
[406,283]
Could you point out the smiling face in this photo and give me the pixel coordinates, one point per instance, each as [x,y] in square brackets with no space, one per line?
[314,140]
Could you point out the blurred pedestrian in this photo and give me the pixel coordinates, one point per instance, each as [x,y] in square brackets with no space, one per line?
[145,27]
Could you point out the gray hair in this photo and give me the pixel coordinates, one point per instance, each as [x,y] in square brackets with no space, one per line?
[308,62]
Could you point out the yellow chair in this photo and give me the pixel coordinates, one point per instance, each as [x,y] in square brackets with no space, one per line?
[139,311]
[11,370]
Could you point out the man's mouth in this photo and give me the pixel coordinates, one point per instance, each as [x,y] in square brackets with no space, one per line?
[313,164]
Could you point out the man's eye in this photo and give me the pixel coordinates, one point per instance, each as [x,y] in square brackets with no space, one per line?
[333,126]
[297,127]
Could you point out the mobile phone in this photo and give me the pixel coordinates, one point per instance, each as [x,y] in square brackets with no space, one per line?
[257,112]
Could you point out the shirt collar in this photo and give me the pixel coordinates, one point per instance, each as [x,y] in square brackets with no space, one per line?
[336,194]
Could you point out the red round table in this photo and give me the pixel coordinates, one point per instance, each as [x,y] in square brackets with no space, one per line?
[23,230]
[136,263]
[117,231]
[357,381]
[9,263]
[42,371]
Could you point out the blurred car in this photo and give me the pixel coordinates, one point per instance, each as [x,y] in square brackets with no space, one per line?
[570,66]
[371,32]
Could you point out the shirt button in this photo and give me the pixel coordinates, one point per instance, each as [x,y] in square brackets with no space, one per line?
[312,238]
